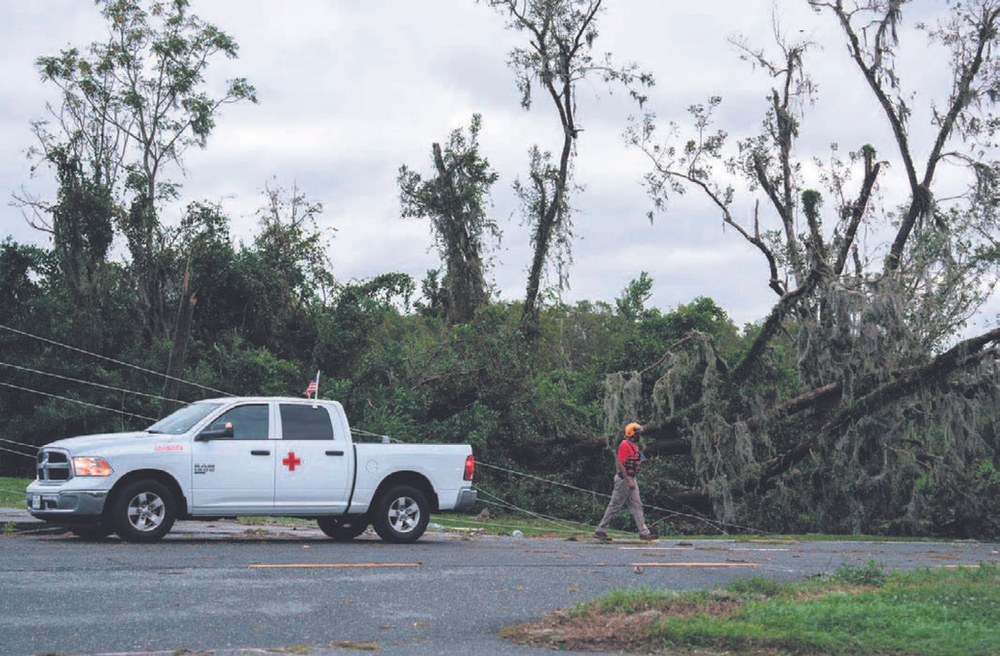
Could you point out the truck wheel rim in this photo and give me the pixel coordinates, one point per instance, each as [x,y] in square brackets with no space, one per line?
[145,511]
[404,514]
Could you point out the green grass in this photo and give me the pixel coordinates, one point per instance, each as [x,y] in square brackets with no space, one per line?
[856,612]
[12,492]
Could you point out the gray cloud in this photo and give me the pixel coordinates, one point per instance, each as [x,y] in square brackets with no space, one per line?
[351,90]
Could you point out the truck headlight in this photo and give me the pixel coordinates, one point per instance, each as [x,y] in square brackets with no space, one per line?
[91,466]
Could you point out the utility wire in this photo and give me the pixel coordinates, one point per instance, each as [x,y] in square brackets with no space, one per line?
[119,362]
[30,446]
[507,504]
[84,382]
[18,453]
[718,526]
[64,398]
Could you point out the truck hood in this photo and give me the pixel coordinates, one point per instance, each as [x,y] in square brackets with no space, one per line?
[109,442]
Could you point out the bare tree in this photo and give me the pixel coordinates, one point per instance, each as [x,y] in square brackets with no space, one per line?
[561,36]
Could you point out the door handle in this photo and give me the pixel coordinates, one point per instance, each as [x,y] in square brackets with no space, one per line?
[260,453]
[334,453]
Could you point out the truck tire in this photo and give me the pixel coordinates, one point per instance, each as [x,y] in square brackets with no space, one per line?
[144,511]
[342,529]
[401,514]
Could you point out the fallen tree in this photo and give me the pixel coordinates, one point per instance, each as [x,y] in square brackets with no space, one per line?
[892,423]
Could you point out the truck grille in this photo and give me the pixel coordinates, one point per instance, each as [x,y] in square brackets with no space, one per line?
[53,465]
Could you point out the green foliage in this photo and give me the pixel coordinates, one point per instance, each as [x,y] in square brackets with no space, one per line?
[243,370]
[870,574]
[631,304]
[12,491]
[21,267]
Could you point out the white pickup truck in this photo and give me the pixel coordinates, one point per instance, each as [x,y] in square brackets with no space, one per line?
[248,456]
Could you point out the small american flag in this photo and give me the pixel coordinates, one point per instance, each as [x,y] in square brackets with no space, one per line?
[313,387]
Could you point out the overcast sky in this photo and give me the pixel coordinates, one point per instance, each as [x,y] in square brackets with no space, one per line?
[350,89]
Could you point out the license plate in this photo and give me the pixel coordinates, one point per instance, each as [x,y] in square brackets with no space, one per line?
[35,501]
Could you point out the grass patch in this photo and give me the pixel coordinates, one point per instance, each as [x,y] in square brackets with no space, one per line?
[506,525]
[856,611]
[12,492]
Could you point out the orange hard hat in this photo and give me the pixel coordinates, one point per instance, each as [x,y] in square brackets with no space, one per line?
[632,429]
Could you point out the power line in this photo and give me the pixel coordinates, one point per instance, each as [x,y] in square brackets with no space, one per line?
[30,446]
[717,525]
[119,362]
[18,453]
[83,382]
[64,398]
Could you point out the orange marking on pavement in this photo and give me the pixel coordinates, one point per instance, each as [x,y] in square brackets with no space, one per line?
[753,565]
[336,565]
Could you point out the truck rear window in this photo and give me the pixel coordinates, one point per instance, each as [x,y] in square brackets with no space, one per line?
[305,422]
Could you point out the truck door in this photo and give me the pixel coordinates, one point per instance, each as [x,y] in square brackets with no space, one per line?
[236,474]
[313,468]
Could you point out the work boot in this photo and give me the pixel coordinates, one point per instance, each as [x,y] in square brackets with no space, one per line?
[648,536]
[602,536]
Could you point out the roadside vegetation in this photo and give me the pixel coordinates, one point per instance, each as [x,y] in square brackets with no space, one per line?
[12,492]
[856,611]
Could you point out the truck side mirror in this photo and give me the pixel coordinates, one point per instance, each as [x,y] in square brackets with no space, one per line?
[216,434]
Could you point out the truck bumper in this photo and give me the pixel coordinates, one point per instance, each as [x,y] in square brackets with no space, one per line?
[466,499]
[70,507]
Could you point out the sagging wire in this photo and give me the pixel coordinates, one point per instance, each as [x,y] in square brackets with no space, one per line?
[84,382]
[17,453]
[64,398]
[385,438]
[119,362]
[567,524]
[718,526]
[29,446]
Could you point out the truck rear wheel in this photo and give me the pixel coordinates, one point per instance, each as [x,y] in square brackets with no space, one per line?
[401,514]
[342,529]
[144,511]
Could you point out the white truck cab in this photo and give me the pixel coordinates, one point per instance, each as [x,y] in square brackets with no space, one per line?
[246,456]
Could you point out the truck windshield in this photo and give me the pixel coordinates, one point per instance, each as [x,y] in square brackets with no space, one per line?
[184,419]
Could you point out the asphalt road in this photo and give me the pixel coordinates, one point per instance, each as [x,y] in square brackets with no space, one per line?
[233,589]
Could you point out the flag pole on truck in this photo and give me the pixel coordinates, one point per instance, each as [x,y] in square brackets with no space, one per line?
[313,387]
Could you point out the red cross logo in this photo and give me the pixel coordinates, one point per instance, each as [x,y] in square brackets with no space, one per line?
[291,461]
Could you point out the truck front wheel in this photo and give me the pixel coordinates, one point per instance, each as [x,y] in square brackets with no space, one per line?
[401,514]
[144,511]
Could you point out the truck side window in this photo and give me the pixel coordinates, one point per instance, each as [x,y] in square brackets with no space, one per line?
[249,422]
[305,422]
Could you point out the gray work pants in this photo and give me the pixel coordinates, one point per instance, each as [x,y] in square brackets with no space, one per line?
[621,495]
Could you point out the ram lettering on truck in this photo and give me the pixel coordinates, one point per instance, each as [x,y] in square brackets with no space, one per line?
[248,456]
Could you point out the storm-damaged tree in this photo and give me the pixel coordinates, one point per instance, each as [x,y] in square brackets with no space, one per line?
[131,107]
[292,281]
[559,55]
[455,201]
[81,223]
[892,425]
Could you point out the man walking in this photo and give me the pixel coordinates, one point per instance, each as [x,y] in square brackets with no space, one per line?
[626,488]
